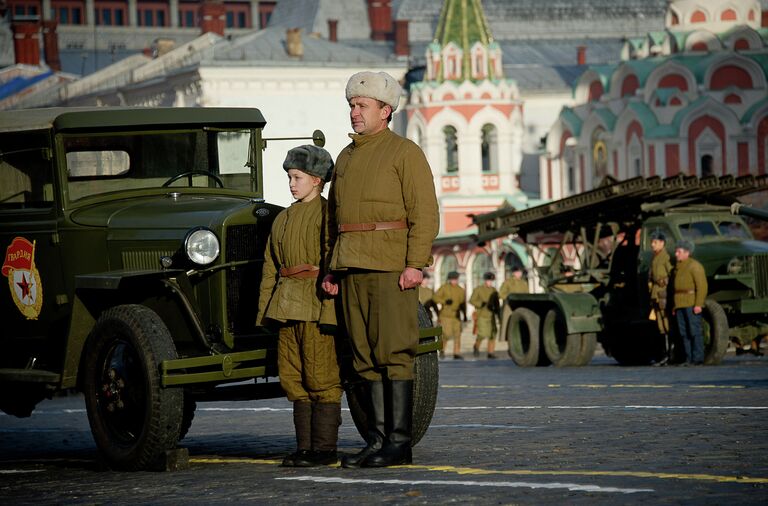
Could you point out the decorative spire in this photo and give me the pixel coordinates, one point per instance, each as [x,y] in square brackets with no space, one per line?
[462,26]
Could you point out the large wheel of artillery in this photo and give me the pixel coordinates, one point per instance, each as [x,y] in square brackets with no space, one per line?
[562,348]
[522,334]
[715,330]
[134,419]
[425,383]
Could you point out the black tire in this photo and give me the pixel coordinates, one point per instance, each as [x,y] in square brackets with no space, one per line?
[715,330]
[522,335]
[587,350]
[190,405]
[425,384]
[561,348]
[134,420]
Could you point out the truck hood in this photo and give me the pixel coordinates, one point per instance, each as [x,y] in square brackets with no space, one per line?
[160,212]
[713,255]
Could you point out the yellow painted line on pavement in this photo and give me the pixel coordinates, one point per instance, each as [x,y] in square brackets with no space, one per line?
[601,385]
[517,472]
[622,474]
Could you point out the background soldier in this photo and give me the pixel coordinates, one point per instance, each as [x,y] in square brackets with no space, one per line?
[485,298]
[515,284]
[426,294]
[658,282]
[690,294]
[451,297]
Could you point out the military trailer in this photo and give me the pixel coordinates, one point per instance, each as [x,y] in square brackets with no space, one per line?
[134,243]
[592,256]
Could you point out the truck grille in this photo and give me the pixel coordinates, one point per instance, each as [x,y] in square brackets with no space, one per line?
[139,260]
[243,281]
[761,275]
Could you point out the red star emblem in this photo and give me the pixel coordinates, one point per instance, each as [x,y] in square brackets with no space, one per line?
[25,287]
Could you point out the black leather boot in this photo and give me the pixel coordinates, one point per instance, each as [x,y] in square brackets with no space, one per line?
[302,421]
[374,412]
[397,446]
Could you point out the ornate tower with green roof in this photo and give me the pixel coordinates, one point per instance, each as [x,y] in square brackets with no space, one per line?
[468,119]
[463,47]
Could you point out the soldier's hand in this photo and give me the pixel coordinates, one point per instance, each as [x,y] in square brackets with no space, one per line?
[410,278]
[697,309]
[329,285]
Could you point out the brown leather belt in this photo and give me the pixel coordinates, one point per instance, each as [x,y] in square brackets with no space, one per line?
[378,225]
[300,271]
[686,292]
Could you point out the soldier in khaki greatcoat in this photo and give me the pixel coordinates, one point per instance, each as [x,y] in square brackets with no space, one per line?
[485,298]
[690,295]
[451,297]
[658,283]
[515,284]
[290,296]
[384,217]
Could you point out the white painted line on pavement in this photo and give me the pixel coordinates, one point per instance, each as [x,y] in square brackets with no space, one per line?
[20,471]
[479,425]
[573,487]
[677,407]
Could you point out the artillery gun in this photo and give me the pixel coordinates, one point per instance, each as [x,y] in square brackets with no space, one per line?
[591,255]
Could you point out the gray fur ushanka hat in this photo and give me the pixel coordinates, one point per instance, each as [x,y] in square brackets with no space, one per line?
[311,159]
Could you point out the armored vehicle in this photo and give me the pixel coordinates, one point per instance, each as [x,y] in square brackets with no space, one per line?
[592,256]
[134,243]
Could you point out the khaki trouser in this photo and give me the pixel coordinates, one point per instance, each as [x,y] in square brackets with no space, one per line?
[382,324]
[307,362]
[661,318]
[451,330]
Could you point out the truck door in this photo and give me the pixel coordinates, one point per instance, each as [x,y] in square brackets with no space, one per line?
[32,303]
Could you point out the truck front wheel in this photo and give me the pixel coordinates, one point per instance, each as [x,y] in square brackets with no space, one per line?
[134,420]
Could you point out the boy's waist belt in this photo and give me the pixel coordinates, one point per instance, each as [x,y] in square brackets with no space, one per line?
[378,225]
[685,292]
[300,271]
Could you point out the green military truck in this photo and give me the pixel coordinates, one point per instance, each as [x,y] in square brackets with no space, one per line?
[133,244]
[592,255]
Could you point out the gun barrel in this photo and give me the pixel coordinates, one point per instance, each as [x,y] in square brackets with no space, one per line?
[741,209]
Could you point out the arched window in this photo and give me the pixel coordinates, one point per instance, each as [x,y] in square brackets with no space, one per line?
[480,266]
[707,166]
[595,91]
[700,47]
[489,148]
[629,86]
[511,262]
[741,45]
[730,75]
[698,17]
[599,156]
[728,15]
[674,81]
[448,264]
[675,19]
[451,150]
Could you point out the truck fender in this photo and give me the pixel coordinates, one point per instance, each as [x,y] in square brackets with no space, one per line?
[96,292]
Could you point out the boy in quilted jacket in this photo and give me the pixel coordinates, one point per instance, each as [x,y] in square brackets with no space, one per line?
[291,297]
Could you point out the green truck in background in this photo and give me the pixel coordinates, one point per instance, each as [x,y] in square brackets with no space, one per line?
[133,244]
[592,256]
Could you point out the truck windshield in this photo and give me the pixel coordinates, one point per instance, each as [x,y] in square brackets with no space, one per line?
[104,163]
[702,230]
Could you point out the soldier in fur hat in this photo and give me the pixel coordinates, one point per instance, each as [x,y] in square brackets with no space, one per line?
[690,295]
[306,354]
[384,216]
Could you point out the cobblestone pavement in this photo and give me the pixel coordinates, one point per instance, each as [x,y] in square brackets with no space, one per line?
[500,435]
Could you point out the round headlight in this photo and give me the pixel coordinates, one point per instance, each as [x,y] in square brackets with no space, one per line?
[201,246]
